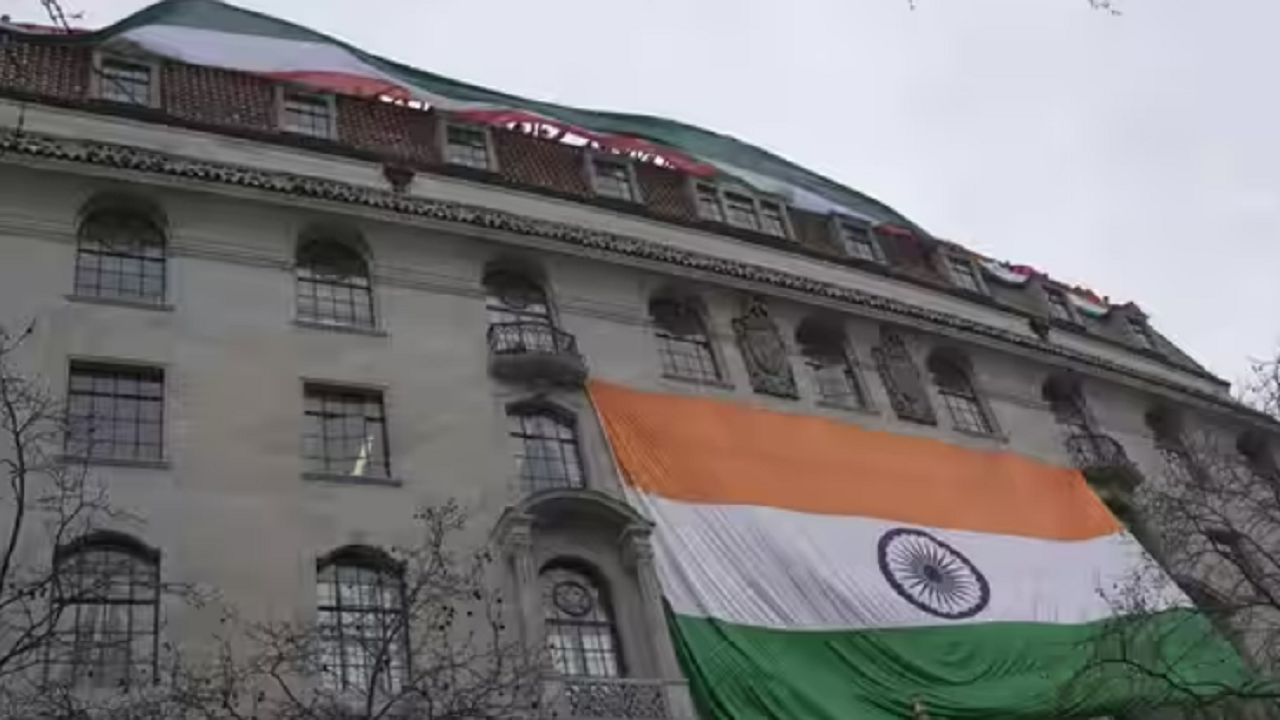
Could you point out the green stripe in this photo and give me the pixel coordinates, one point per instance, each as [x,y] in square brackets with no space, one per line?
[983,670]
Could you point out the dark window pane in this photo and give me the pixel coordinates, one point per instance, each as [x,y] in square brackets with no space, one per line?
[115,412]
[363,628]
[107,600]
[546,449]
[125,82]
[120,255]
[343,432]
[333,285]
[580,631]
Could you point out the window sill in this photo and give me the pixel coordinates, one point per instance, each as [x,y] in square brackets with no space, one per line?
[995,437]
[719,384]
[334,327]
[121,302]
[117,462]
[857,409]
[340,479]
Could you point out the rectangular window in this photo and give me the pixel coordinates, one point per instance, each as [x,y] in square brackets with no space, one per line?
[612,179]
[740,211]
[836,380]
[466,146]
[963,274]
[345,432]
[709,207]
[857,241]
[1059,305]
[125,82]
[308,114]
[772,220]
[115,412]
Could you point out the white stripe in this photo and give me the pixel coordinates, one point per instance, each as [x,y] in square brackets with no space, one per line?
[261,54]
[789,570]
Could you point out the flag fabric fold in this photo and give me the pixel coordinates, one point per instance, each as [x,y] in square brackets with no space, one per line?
[814,569]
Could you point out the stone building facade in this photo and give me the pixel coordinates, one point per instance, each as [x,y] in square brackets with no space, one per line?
[257,279]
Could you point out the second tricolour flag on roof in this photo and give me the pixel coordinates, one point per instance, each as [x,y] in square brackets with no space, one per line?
[817,570]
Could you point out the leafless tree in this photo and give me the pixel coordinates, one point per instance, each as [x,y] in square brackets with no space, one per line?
[417,631]
[48,502]
[1211,526]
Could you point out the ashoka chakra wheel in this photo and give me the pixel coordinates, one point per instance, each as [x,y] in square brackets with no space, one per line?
[932,575]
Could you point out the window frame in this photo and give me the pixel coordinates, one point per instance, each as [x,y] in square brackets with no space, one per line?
[1072,317]
[950,260]
[666,338]
[138,555]
[722,190]
[608,626]
[99,81]
[330,392]
[285,92]
[140,372]
[110,211]
[496,305]
[485,131]
[360,293]
[626,164]
[570,458]
[1140,333]
[975,403]
[384,568]
[841,223]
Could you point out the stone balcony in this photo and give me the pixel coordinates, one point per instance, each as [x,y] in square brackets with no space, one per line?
[1107,468]
[535,352]
[593,698]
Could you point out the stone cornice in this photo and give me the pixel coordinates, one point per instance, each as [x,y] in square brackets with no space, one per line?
[134,159]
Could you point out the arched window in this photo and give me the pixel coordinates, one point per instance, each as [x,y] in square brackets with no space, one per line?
[826,354]
[546,447]
[1066,402]
[512,297]
[363,628]
[901,379]
[333,284]
[121,255]
[1166,426]
[1258,456]
[107,594]
[683,343]
[957,393]
[581,634]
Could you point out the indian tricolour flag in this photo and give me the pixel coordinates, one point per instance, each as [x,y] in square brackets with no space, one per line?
[815,569]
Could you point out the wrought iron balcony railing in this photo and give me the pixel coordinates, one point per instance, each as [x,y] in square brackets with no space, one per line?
[623,698]
[1107,468]
[531,350]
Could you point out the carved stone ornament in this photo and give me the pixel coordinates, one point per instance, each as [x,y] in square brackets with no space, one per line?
[134,159]
[902,379]
[764,352]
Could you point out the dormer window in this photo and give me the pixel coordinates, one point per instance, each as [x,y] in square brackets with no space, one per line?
[467,146]
[125,82]
[305,113]
[964,274]
[709,203]
[741,209]
[1140,331]
[1059,306]
[856,239]
[613,178]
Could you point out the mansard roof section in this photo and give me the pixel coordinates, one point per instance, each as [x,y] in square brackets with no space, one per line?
[213,33]
[220,68]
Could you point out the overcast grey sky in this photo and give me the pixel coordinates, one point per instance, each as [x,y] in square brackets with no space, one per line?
[1137,155]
